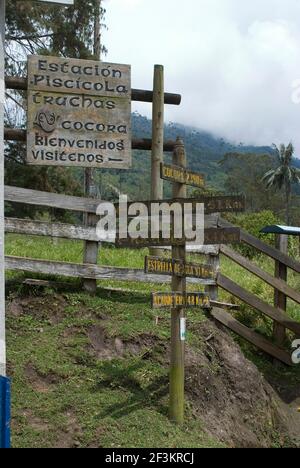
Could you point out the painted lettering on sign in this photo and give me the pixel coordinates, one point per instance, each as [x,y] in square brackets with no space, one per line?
[182,176]
[79,113]
[213,236]
[180,300]
[162,266]
[216,204]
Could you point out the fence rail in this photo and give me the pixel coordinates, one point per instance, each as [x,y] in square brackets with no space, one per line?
[95,272]
[89,271]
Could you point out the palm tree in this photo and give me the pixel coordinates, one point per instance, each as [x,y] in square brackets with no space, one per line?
[284,176]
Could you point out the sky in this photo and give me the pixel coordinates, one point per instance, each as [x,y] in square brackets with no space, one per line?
[236,63]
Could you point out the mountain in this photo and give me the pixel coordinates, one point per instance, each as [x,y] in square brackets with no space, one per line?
[204,152]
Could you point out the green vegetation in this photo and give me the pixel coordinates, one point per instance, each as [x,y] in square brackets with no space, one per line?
[284,176]
[71,386]
[61,392]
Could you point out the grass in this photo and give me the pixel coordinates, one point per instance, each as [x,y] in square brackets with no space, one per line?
[103,403]
[117,402]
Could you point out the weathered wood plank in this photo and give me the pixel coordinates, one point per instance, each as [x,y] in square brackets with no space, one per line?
[140,95]
[39,228]
[59,230]
[174,173]
[196,249]
[258,304]
[211,236]
[224,305]
[54,200]
[15,134]
[276,283]
[265,248]
[178,300]
[79,77]
[212,205]
[252,337]
[180,268]
[74,270]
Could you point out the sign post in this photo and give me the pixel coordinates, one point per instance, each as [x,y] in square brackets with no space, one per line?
[176,408]
[79,113]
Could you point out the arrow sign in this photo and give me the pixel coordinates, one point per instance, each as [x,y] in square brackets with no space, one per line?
[165,266]
[217,204]
[181,176]
[213,236]
[179,300]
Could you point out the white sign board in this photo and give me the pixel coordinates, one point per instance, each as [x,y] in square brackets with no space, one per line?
[60,2]
[79,113]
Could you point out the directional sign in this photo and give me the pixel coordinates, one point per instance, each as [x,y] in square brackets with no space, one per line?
[182,176]
[213,236]
[79,113]
[218,204]
[179,300]
[165,266]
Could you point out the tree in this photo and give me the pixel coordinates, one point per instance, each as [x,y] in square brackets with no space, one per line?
[284,175]
[244,172]
[31,28]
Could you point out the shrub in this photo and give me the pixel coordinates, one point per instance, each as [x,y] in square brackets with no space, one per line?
[253,223]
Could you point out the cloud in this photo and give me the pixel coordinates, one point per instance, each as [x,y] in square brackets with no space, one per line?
[234,62]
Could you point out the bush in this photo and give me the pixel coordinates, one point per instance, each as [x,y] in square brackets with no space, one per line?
[253,223]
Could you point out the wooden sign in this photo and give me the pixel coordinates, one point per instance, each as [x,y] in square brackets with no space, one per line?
[217,204]
[212,236]
[182,176]
[79,113]
[180,300]
[165,266]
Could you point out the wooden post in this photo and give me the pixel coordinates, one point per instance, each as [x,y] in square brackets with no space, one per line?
[157,137]
[280,299]
[2,266]
[214,261]
[91,248]
[178,285]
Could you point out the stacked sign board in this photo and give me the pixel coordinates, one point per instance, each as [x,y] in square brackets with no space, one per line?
[79,113]
[180,268]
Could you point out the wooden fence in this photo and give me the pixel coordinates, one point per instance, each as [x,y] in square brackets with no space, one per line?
[96,272]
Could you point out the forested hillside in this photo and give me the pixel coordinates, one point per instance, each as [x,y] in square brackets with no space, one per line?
[227,167]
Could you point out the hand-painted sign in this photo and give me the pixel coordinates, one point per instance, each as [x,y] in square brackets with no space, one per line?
[217,204]
[79,113]
[182,176]
[165,266]
[180,300]
[213,236]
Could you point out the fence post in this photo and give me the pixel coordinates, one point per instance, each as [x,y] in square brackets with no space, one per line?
[177,315]
[214,261]
[90,255]
[91,248]
[280,299]
[157,138]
